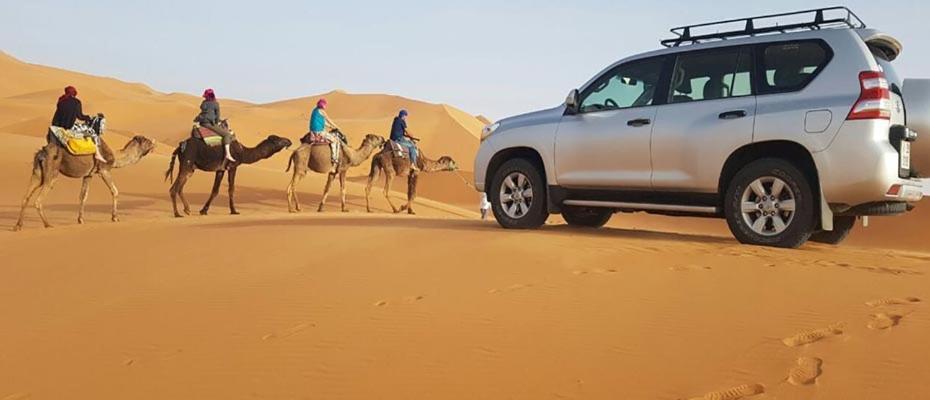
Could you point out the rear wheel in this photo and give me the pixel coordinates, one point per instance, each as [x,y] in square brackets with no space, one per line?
[518,195]
[770,203]
[591,217]
[842,226]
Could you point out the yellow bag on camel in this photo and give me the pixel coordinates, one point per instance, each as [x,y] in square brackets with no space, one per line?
[76,145]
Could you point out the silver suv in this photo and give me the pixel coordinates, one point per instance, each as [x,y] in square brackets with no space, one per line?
[790,126]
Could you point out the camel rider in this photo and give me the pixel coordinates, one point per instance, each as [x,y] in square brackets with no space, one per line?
[321,124]
[401,136]
[68,111]
[209,118]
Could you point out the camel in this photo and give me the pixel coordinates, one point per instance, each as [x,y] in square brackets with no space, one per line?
[53,161]
[318,158]
[194,154]
[386,161]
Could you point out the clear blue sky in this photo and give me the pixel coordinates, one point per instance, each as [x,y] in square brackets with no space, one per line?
[487,57]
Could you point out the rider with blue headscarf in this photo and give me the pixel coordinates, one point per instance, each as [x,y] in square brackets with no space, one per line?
[401,136]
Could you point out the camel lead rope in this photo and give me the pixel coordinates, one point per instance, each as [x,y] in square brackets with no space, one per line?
[467,183]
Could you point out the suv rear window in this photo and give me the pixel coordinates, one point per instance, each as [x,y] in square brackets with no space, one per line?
[788,67]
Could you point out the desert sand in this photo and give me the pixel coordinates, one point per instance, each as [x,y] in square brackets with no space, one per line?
[271,305]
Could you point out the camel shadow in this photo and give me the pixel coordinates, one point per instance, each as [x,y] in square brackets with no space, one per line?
[375,221]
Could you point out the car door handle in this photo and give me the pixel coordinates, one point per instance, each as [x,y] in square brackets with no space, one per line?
[733,114]
[639,122]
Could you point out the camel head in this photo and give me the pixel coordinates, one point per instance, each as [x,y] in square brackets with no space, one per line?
[276,143]
[374,141]
[446,163]
[145,144]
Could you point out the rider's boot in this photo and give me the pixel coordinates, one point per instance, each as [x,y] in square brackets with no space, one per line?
[229,156]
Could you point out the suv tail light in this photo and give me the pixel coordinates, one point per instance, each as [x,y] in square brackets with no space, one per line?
[874,98]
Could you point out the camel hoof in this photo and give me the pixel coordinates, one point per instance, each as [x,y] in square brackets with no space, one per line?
[319,209]
[114,219]
[293,211]
[49,226]
[187,212]
[80,221]
[345,210]
[204,212]
[17,228]
[176,215]
[234,212]
[410,211]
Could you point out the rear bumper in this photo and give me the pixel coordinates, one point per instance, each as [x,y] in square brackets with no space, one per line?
[862,167]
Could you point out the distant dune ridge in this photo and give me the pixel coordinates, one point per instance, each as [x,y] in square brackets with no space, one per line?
[28,93]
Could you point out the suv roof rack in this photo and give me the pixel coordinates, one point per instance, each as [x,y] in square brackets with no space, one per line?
[845,19]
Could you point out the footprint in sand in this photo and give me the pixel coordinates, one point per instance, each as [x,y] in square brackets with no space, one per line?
[806,372]
[405,300]
[18,396]
[894,301]
[734,393]
[599,271]
[813,335]
[289,331]
[881,321]
[511,288]
[690,267]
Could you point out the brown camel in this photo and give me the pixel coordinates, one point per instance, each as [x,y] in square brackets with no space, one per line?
[386,161]
[318,158]
[53,161]
[194,154]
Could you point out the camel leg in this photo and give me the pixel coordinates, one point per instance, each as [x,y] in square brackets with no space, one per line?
[293,202]
[217,180]
[177,190]
[372,176]
[388,181]
[232,192]
[329,183]
[85,191]
[342,189]
[35,182]
[40,199]
[114,192]
[411,191]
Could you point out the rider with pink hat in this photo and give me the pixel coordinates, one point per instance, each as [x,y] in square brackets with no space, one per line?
[319,122]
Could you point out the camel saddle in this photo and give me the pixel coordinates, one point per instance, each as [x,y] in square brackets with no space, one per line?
[321,140]
[209,137]
[78,142]
[397,150]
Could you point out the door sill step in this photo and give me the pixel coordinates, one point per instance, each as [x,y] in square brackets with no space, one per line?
[642,206]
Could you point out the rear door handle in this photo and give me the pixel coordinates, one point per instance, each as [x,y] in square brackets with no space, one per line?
[639,122]
[733,114]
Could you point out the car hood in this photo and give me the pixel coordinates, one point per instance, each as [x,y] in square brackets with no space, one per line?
[548,116]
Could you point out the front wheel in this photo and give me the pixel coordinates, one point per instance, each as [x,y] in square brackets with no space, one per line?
[589,217]
[770,203]
[518,195]
[842,226]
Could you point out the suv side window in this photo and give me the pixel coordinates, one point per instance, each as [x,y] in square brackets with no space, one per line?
[789,67]
[712,75]
[629,85]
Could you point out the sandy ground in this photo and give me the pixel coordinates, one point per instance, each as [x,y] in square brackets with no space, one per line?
[271,305]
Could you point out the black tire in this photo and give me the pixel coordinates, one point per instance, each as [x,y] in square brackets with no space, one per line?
[537,210]
[796,230]
[588,217]
[842,226]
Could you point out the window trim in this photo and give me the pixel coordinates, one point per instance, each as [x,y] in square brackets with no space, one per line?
[662,84]
[753,85]
[760,78]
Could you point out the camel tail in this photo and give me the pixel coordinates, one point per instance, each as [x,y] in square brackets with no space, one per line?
[38,163]
[290,161]
[169,174]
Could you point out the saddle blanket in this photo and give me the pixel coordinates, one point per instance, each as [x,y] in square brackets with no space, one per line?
[78,142]
[208,136]
[398,150]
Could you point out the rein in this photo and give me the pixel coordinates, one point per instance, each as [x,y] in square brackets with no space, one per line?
[465,181]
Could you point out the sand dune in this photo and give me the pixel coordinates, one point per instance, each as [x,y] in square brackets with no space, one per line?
[272,305]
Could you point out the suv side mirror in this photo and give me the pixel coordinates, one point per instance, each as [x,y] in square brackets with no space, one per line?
[571,102]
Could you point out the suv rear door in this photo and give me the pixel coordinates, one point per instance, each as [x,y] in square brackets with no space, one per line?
[605,144]
[709,113]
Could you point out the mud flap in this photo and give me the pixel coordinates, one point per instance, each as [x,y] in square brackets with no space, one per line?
[826,214]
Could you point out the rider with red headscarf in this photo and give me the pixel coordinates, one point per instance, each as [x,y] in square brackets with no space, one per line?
[68,111]
[319,121]
[209,118]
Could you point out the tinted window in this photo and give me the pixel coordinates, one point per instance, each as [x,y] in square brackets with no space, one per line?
[629,85]
[712,75]
[791,66]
